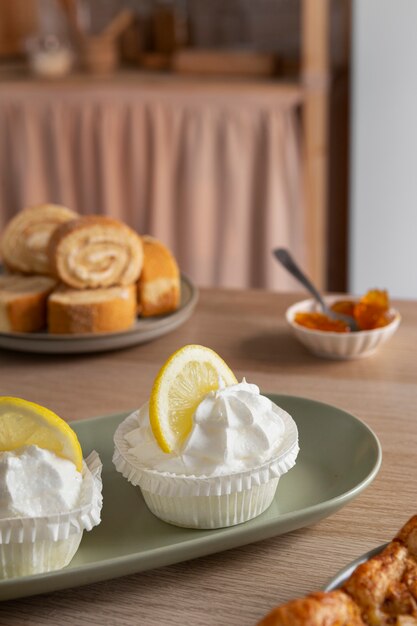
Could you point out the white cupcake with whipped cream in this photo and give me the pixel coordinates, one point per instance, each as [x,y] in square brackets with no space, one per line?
[227,469]
[49,494]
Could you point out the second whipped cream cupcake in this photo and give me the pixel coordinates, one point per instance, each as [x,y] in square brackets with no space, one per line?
[49,494]
[225,472]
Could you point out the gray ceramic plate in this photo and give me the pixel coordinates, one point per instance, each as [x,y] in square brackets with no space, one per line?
[339,458]
[143,330]
[343,574]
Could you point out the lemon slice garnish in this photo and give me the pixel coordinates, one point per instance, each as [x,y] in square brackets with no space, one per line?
[182,382]
[24,423]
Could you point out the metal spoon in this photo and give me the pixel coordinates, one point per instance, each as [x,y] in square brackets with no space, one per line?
[288,262]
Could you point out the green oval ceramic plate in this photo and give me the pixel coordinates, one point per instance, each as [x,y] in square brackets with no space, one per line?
[339,457]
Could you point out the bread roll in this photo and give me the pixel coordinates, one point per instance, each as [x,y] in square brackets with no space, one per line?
[25,241]
[23,302]
[91,310]
[96,251]
[159,282]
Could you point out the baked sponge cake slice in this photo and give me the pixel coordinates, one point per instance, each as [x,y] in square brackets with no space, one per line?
[23,302]
[159,283]
[73,311]
[25,241]
[95,251]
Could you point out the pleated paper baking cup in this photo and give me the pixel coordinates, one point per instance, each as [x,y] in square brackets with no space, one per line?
[30,545]
[208,512]
[167,484]
[206,501]
[37,557]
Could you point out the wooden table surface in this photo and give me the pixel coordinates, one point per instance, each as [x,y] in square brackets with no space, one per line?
[239,586]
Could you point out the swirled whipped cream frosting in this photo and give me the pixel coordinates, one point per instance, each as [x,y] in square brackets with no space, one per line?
[235,428]
[36,482]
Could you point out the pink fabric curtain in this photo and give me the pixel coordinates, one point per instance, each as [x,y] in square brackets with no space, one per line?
[213,171]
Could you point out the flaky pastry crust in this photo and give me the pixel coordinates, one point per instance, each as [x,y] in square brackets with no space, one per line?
[380,592]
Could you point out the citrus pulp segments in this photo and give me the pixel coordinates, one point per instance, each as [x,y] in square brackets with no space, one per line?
[24,423]
[186,377]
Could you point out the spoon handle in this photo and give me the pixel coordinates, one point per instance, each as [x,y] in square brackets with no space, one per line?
[288,262]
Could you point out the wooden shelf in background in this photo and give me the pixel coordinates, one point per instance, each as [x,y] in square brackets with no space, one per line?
[224,63]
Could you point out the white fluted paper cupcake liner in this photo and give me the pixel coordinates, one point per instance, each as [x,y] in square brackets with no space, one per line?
[36,557]
[174,485]
[212,511]
[55,528]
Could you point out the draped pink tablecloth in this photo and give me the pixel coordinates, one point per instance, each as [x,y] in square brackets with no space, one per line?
[211,169]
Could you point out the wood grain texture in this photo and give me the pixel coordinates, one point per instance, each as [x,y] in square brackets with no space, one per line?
[316,79]
[239,586]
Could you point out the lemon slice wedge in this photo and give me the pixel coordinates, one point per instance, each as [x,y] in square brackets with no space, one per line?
[24,423]
[182,382]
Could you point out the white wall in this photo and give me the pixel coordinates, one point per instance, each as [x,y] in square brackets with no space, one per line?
[383,230]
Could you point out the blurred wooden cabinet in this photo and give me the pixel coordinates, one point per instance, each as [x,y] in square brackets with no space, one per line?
[18,18]
[320,109]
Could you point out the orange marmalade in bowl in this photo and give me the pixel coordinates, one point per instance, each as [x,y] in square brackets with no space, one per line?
[371,311]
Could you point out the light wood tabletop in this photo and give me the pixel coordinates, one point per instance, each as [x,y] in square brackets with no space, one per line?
[236,587]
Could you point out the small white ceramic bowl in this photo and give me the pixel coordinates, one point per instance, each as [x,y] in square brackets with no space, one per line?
[341,346]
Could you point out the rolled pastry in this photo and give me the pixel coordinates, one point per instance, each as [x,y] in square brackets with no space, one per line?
[96,251]
[25,240]
[408,536]
[318,609]
[159,282]
[385,587]
[91,310]
[381,591]
[23,302]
